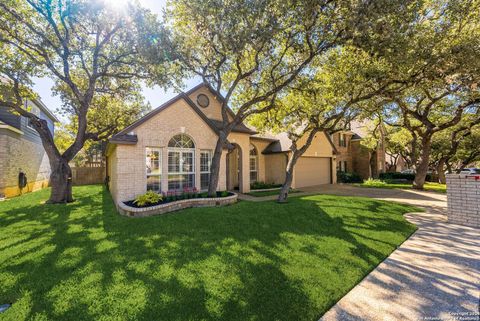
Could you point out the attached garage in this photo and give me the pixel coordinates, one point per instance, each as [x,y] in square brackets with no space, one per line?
[310,171]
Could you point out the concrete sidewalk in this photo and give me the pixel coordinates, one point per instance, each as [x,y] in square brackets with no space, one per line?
[434,275]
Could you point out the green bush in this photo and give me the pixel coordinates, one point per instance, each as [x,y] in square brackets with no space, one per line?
[403,176]
[397,176]
[345,177]
[374,182]
[224,194]
[263,185]
[150,197]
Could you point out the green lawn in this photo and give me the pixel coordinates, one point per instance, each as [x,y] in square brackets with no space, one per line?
[429,186]
[249,261]
[269,193]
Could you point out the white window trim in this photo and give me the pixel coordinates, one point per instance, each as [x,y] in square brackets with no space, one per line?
[255,170]
[181,172]
[210,153]
[159,149]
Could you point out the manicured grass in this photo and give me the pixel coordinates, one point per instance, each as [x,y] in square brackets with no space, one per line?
[269,193]
[429,186]
[249,261]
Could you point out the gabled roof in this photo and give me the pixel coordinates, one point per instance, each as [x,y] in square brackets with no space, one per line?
[123,137]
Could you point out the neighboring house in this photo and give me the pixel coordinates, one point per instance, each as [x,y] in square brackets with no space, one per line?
[171,149]
[353,157]
[21,150]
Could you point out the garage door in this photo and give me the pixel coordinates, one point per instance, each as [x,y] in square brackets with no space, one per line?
[310,171]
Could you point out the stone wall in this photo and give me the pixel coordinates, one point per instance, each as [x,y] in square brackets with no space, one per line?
[463,198]
[175,206]
[20,154]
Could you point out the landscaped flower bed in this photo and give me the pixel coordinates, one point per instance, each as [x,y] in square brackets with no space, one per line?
[173,201]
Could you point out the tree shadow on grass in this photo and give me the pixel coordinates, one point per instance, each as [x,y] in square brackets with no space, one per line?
[262,261]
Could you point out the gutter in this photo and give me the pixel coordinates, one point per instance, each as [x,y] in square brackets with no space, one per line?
[13,129]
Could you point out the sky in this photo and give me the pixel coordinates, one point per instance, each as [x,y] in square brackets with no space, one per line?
[155,96]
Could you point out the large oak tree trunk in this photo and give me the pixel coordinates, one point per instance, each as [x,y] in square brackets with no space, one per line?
[422,166]
[296,154]
[441,171]
[215,166]
[61,181]
[61,175]
[282,197]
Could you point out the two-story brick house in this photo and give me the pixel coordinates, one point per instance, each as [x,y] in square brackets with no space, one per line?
[352,156]
[21,150]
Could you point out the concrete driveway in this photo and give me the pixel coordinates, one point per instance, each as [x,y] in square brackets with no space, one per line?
[434,275]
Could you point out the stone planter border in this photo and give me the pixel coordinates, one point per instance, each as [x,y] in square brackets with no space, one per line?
[175,206]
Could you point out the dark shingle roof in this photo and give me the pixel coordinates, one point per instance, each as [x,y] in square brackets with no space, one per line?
[124,139]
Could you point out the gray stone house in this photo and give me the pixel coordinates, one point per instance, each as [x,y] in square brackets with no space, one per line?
[21,150]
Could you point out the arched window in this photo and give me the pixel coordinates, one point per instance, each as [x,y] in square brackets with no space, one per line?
[253,164]
[181,162]
[181,141]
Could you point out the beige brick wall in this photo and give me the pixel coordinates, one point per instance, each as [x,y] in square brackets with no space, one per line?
[463,199]
[19,154]
[214,109]
[275,170]
[128,172]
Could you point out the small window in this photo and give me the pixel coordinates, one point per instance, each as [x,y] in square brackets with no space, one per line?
[205,164]
[34,110]
[203,101]
[342,140]
[154,169]
[253,164]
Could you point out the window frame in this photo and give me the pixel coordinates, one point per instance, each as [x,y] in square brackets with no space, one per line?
[209,165]
[181,172]
[342,140]
[253,157]
[159,175]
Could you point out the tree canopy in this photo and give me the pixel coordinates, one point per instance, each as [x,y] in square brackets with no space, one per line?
[92,51]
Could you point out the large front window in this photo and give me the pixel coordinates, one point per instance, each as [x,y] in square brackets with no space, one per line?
[253,164]
[154,169]
[181,163]
[205,163]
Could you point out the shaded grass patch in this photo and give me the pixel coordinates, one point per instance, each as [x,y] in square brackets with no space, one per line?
[249,261]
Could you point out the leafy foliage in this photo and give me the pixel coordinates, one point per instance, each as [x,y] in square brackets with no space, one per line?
[346,177]
[149,198]
[92,51]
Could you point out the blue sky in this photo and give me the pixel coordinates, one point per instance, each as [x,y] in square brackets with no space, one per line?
[155,96]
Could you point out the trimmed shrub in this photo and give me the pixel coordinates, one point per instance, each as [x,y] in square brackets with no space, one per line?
[403,176]
[397,176]
[345,177]
[263,185]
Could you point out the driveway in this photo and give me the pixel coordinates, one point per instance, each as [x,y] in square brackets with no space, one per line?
[434,275]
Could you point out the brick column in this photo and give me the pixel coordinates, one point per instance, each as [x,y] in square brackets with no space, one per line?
[463,199]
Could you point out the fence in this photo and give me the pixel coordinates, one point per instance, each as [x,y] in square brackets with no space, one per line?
[88,175]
